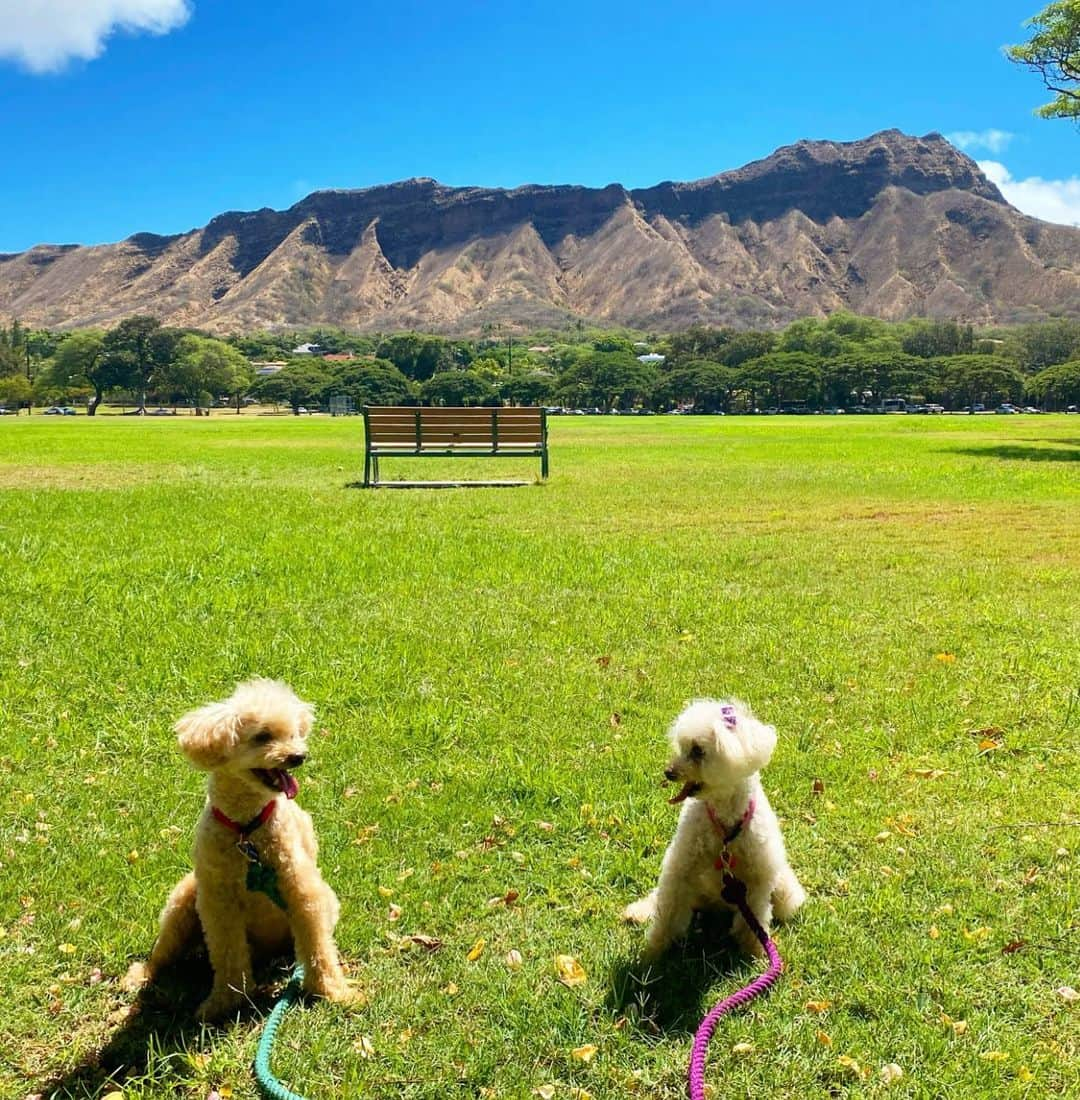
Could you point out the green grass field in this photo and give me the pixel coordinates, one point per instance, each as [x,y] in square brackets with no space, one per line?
[494,670]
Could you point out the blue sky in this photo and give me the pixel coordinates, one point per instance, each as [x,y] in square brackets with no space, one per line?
[123,116]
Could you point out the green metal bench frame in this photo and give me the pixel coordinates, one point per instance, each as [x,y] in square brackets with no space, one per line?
[429,431]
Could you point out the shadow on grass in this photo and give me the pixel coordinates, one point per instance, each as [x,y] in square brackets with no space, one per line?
[673,994]
[1013,452]
[160,1027]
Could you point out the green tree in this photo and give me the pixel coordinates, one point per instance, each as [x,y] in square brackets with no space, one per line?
[979,379]
[300,384]
[81,359]
[15,390]
[205,367]
[370,382]
[1053,51]
[1057,386]
[456,387]
[704,385]
[535,388]
[136,350]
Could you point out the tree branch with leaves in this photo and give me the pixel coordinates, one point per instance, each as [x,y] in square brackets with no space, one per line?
[1054,53]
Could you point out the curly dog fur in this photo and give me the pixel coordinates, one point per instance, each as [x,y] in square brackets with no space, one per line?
[719,751]
[247,743]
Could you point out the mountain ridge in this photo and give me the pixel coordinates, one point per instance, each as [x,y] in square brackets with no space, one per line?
[890,225]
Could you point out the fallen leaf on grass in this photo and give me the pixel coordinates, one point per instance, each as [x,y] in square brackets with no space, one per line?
[364,1047]
[569,970]
[1067,994]
[1013,947]
[818,786]
[581,1094]
[976,935]
[945,658]
[394,913]
[584,1053]
[890,1073]
[824,1038]
[933,933]
[988,744]
[428,943]
[1030,875]
[743,1048]
[817,1007]
[994,1056]
[545,1092]
[853,1067]
[476,951]
[514,959]
[604,661]
[926,773]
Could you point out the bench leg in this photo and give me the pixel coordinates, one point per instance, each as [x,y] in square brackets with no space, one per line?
[543,464]
[367,469]
[375,468]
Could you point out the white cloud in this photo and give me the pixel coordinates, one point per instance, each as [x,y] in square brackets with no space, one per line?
[992,141]
[1051,200]
[44,35]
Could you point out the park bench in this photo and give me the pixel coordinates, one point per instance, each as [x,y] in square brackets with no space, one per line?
[404,432]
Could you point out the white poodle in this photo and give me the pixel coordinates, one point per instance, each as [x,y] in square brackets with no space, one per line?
[256,881]
[726,823]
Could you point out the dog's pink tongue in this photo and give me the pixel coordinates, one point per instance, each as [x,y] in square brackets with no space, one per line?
[683,794]
[289,786]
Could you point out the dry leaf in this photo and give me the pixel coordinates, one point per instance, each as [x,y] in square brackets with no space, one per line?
[945,658]
[994,1056]
[514,959]
[428,943]
[584,1053]
[476,951]
[852,1066]
[926,773]
[890,1073]
[976,935]
[603,662]
[959,1027]
[1067,994]
[823,1038]
[817,1007]
[394,912]
[545,826]
[581,1094]
[364,1047]
[743,1048]
[933,933]
[545,1092]
[615,720]
[384,892]
[1013,947]
[1024,1075]
[818,786]
[569,970]
[988,744]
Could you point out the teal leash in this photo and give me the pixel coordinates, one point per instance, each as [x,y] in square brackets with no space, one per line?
[264,1076]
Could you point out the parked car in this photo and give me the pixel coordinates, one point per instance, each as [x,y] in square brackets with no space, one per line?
[1006,409]
[4,411]
[60,410]
[935,410]
[1031,409]
[1072,409]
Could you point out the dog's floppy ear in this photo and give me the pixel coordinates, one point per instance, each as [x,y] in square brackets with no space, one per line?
[209,734]
[756,741]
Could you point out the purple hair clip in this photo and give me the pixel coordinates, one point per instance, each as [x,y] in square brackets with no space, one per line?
[728,713]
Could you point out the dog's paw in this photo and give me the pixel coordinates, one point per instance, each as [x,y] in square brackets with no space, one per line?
[137,976]
[337,990]
[640,911]
[218,1005]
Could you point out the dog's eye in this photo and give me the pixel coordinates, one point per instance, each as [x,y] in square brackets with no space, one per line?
[263,738]
[697,754]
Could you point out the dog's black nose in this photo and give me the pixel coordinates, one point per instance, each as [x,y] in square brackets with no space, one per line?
[295,761]
[670,773]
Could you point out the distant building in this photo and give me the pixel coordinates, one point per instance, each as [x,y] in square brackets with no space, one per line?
[652,357]
[307,349]
[262,369]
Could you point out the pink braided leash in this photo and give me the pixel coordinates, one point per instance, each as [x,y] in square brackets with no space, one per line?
[734,893]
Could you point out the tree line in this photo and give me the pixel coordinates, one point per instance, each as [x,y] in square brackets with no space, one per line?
[842,361]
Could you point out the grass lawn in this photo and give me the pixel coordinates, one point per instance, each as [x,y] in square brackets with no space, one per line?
[494,670]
